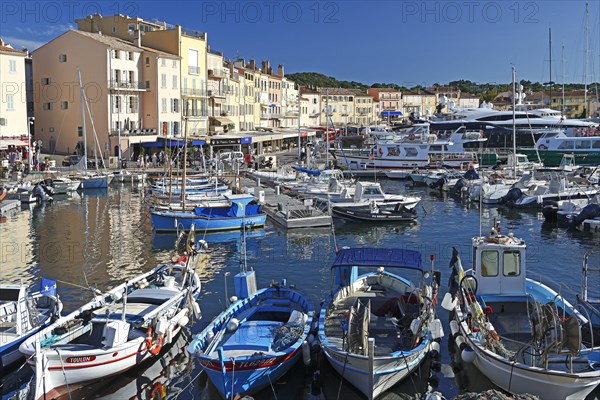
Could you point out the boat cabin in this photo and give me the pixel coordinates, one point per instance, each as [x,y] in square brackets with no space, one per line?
[499,264]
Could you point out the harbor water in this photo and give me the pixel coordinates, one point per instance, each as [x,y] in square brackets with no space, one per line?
[101,238]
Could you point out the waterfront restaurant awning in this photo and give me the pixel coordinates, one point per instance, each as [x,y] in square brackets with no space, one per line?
[4,143]
[153,144]
[391,113]
[198,142]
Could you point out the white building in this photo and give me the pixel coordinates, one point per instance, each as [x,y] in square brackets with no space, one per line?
[13,109]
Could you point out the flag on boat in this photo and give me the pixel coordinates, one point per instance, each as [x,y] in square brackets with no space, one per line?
[48,287]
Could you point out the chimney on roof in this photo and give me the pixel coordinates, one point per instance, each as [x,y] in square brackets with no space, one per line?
[280,70]
[252,64]
[137,38]
[265,67]
[270,70]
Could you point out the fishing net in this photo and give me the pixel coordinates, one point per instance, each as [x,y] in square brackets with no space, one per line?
[287,334]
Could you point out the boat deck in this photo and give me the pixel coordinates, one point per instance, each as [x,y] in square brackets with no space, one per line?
[386,330]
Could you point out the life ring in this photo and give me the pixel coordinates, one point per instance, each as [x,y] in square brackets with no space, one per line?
[543,147]
[153,346]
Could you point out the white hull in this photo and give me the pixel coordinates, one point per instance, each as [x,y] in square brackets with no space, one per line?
[387,371]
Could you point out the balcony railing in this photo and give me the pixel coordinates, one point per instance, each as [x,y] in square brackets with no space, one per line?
[216,93]
[193,70]
[194,92]
[198,113]
[134,132]
[126,85]
[216,73]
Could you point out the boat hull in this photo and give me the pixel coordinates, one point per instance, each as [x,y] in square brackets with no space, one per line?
[387,371]
[553,158]
[95,183]
[164,221]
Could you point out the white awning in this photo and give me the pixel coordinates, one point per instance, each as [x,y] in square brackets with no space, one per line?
[5,143]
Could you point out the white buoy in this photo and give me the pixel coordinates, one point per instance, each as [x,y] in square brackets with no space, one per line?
[232,325]
[233,299]
[435,350]
[467,355]
[460,342]
[306,353]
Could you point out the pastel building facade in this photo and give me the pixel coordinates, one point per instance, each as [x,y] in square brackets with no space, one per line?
[13,90]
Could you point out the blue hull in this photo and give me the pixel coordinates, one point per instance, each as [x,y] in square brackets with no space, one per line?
[9,353]
[173,221]
[94,183]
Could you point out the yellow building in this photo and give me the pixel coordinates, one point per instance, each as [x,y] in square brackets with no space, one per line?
[363,107]
[574,102]
[419,102]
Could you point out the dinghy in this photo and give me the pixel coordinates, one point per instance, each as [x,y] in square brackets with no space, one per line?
[22,314]
[376,328]
[115,331]
[521,334]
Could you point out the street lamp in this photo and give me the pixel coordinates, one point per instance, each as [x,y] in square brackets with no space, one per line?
[29,123]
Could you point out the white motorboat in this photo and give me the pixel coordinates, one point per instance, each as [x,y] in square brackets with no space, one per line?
[367,193]
[115,331]
[22,314]
[377,327]
[521,334]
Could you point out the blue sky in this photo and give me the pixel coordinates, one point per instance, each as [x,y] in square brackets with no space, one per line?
[406,42]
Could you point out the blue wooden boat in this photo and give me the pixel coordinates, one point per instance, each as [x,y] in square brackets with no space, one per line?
[95,181]
[242,212]
[22,314]
[378,325]
[256,340]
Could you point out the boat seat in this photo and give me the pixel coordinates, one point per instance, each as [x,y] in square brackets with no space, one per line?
[156,296]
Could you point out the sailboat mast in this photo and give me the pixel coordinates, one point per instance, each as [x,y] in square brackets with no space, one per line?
[83,120]
[585,56]
[562,62]
[184,172]
[514,127]
[327,127]
[550,79]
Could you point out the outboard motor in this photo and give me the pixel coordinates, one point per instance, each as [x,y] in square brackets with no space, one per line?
[588,212]
[267,163]
[438,184]
[457,187]
[39,192]
[513,195]
[550,210]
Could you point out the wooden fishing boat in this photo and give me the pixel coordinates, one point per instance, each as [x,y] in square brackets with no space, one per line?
[377,327]
[521,334]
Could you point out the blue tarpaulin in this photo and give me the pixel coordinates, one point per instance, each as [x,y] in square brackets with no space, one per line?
[198,142]
[376,257]
[313,172]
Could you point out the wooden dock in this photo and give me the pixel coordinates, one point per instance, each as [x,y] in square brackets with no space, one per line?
[285,210]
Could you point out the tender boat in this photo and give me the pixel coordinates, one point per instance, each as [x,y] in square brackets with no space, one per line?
[521,334]
[377,327]
[22,314]
[277,319]
[366,193]
[115,331]
[376,213]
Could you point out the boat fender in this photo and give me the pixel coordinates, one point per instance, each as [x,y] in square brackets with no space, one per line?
[467,355]
[306,353]
[434,353]
[437,331]
[454,329]
[415,325]
[181,318]
[196,309]
[232,325]
[209,336]
[233,299]
[460,342]
[434,396]
[158,391]
[169,338]
[310,339]
[161,327]
[448,303]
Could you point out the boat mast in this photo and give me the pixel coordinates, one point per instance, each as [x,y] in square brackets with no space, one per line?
[562,61]
[550,79]
[585,55]
[83,119]
[327,128]
[514,128]
[184,171]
